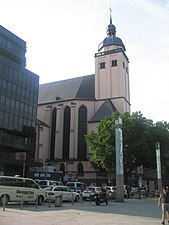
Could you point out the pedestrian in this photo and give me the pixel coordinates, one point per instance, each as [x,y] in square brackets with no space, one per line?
[139,192]
[163,200]
[128,191]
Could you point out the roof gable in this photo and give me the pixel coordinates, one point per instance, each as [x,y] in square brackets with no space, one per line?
[105,109]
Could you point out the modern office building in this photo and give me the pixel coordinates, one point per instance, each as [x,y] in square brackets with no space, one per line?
[18,106]
[71,108]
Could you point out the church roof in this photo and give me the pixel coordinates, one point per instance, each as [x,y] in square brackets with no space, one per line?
[75,88]
[105,109]
[111,38]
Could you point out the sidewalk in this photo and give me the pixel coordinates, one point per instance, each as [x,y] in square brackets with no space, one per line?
[131,212]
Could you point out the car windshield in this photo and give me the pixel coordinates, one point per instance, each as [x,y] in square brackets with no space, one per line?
[70,184]
[48,189]
[92,189]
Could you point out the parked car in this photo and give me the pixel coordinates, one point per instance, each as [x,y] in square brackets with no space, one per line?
[14,189]
[67,194]
[89,192]
[76,186]
[46,183]
[134,191]
[111,190]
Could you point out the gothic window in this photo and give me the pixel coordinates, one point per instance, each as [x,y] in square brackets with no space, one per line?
[114,62]
[66,133]
[53,128]
[82,131]
[62,168]
[102,65]
[80,169]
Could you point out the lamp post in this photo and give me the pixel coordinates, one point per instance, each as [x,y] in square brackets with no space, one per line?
[119,162]
[158,160]
[23,170]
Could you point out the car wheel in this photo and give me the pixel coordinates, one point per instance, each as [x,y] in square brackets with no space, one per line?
[77,198]
[4,198]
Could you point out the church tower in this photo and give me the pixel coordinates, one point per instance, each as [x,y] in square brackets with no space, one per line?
[112,71]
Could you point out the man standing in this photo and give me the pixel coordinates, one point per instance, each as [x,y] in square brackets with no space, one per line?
[164,201]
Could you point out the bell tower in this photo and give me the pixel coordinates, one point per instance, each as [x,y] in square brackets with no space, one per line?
[112,71]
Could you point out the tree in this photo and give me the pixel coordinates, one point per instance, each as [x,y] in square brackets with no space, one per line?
[139,137]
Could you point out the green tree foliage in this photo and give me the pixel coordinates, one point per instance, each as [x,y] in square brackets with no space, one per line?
[139,138]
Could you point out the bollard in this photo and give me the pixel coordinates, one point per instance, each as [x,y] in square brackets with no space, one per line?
[37,201]
[4,202]
[61,200]
[22,200]
[49,199]
[58,200]
[72,198]
[90,198]
[81,198]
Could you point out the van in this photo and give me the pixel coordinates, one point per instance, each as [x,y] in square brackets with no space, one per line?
[76,186]
[14,189]
[46,183]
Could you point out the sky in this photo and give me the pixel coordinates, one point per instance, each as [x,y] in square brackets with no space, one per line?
[63,35]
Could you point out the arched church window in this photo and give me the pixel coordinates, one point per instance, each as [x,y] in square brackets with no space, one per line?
[53,128]
[80,169]
[82,131]
[66,133]
[62,168]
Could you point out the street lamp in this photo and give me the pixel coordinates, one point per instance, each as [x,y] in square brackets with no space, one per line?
[119,162]
[158,160]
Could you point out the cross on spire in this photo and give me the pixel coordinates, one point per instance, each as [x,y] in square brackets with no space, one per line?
[110,14]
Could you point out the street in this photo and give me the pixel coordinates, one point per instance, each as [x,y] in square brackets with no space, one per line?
[133,211]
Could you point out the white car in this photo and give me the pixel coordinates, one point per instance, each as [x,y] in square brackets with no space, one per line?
[46,183]
[14,189]
[67,194]
[89,192]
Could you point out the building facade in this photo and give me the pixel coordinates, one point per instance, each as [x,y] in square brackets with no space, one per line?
[71,108]
[18,106]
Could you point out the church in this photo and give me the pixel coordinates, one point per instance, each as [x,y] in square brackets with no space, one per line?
[69,109]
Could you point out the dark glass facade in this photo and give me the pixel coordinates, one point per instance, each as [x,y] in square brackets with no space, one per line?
[18,103]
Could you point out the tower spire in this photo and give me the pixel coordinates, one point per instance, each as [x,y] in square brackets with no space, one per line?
[111,29]
[110,14]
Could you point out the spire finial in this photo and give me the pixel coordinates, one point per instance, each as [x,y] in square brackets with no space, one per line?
[110,14]
[111,30]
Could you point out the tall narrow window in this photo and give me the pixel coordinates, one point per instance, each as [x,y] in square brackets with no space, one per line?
[66,133]
[62,168]
[82,131]
[114,62]
[53,129]
[102,65]
[80,169]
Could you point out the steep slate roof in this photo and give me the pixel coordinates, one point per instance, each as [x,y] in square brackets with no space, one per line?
[105,109]
[75,88]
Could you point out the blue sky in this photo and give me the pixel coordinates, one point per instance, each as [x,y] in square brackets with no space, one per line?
[62,37]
